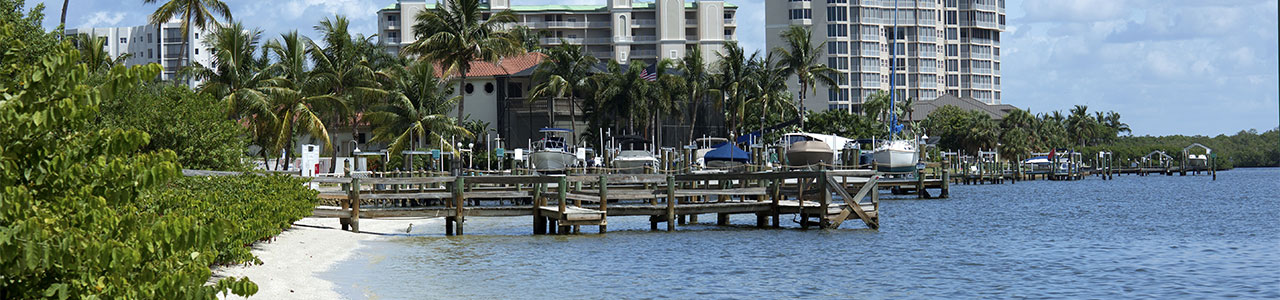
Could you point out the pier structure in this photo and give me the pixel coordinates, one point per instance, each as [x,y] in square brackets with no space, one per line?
[560,204]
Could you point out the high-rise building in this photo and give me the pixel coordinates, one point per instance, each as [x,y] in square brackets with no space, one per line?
[147,44]
[619,30]
[942,47]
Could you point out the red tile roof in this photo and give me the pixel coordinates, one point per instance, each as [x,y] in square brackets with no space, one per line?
[505,66]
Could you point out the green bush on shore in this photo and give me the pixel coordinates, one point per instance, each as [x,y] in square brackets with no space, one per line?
[89,211]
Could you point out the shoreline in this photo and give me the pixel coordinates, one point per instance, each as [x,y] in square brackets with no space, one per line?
[293,261]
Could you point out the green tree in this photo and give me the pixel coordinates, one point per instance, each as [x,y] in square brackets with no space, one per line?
[801,58]
[237,79]
[1081,127]
[698,80]
[295,97]
[563,74]
[199,13]
[732,81]
[344,67]
[71,227]
[769,96]
[456,33]
[94,54]
[415,116]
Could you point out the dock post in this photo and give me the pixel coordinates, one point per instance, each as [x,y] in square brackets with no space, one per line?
[946,184]
[671,203]
[539,222]
[776,196]
[604,203]
[346,204]
[562,189]
[459,199]
[920,192]
[825,187]
[355,204]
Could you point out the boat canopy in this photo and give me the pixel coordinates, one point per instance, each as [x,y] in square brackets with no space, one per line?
[834,141]
[728,151]
[549,129]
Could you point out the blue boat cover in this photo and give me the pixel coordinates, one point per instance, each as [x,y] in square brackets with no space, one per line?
[728,151]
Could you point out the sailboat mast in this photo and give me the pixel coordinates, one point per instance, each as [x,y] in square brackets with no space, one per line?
[893,76]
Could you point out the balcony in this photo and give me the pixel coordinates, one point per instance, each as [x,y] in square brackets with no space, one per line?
[599,40]
[644,53]
[644,23]
[728,22]
[646,38]
[172,40]
[623,39]
[557,40]
[602,55]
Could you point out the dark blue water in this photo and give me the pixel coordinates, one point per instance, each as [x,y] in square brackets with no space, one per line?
[1134,237]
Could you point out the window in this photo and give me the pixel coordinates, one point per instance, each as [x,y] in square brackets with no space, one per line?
[148,38]
[197,51]
[391,18]
[469,88]
[149,53]
[124,40]
[801,13]
[197,35]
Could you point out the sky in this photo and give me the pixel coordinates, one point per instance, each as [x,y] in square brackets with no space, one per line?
[1189,67]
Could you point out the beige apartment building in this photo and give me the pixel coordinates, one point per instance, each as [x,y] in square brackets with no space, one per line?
[942,47]
[622,30]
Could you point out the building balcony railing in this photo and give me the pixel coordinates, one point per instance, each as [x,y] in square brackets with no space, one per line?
[623,39]
[602,54]
[599,40]
[730,21]
[557,40]
[644,23]
[646,38]
[691,22]
[644,53]
[172,40]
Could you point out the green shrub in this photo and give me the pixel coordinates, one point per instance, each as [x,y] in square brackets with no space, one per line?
[191,124]
[70,220]
[256,207]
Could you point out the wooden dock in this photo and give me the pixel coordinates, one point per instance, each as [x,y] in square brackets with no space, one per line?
[562,204]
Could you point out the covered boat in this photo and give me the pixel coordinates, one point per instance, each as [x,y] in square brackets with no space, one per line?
[704,145]
[805,149]
[727,156]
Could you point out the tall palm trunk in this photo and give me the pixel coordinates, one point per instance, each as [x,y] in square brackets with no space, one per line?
[803,91]
[63,22]
[462,93]
[573,121]
[694,122]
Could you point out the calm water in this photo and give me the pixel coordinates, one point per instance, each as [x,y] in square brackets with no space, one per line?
[1135,237]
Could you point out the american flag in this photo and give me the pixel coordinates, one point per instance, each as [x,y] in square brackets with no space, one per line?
[650,73]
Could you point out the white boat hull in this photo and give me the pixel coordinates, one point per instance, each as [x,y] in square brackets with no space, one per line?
[895,160]
[634,162]
[552,161]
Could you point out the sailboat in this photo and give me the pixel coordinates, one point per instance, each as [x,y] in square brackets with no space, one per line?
[552,153]
[898,155]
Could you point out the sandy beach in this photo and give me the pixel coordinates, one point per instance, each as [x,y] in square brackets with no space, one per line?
[291,264]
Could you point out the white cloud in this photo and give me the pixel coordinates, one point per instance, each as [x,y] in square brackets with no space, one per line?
[104,19]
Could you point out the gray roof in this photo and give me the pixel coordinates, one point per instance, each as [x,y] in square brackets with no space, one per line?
[923,108]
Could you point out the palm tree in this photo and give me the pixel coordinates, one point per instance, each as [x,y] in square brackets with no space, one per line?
[416,113]
[563,73]
[1080,125]
[669,95]
[732,81]
[236,78]
[698,81]
[769,89]
[455,35]
[801,60]
[198,13]
[62,23]
[343,67]
[295,96]
[94,54]
[1113,121]
[876,105]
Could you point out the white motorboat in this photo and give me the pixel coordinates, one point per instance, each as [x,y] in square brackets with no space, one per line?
[552,154]
[896,156]
[635,156]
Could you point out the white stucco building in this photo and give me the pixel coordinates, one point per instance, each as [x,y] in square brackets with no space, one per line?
[151,44]
[943,47]
[619,29]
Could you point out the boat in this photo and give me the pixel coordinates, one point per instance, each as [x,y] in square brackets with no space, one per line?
[1038,163]
[728,157]
[704,145]
[552,154]
[896,156]
[634,156]
[805,149]
[1197,160]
